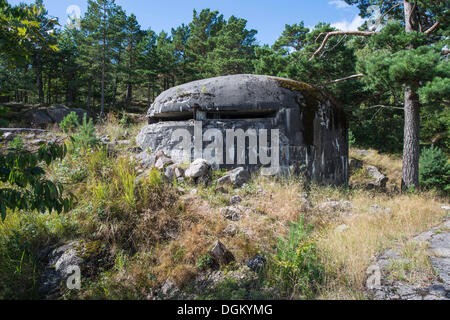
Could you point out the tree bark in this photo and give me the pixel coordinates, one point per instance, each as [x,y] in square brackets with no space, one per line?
[70,93]
[411,146]
[102,102]
[89,93]
[39,82]
[149,92]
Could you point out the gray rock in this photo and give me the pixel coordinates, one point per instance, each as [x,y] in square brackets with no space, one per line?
[145,159]
[220,254]
[333,206]
[59,268]
[38,118]
[162,162]
[8,136]
[379,210]
[179,172]
[233,213]
[257,263]
[379,179]
[236,177]
[169,289]
[169,173]
[58,112]
[197,169]
[235,200]
[341,228]
[231,229]
[355,164]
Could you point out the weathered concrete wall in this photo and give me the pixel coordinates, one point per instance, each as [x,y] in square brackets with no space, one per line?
[312,129]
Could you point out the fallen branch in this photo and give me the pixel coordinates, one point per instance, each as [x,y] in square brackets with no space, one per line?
[337,33]
[360,75]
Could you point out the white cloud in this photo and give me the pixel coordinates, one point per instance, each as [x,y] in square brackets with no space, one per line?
[340,4]
[346,25]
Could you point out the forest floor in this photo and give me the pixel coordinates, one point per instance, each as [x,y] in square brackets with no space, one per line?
[142,237]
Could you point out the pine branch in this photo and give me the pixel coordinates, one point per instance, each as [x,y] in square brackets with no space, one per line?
[433,27]
[336,33]
[355,76]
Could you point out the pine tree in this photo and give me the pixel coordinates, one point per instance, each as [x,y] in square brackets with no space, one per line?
[421,21]
[234,49]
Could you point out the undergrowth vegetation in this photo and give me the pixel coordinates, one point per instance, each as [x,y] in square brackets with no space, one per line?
[156,230]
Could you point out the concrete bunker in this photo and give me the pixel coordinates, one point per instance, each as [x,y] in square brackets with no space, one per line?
[311,127]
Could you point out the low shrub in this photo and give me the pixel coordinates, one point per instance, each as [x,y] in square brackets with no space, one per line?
[434,172]
[295,269]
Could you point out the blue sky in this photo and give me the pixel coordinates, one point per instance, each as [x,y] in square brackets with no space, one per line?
[266,16]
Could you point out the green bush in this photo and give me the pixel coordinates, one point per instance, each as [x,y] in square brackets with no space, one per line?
[69,123]
[295,268]
[434,169]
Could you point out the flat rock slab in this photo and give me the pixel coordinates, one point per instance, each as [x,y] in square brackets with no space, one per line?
[438,242]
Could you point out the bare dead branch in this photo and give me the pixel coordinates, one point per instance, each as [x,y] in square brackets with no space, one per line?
[355,76]
[337,33]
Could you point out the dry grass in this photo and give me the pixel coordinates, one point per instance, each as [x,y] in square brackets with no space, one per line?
[347,255]
[390,165]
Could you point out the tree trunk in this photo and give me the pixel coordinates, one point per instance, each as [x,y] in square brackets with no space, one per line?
[49,88]
[70,94]
[149,93]
[89,93]
[39,82]
[102,102]
[411,147]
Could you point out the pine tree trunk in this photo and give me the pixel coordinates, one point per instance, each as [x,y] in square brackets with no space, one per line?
[39,82]
[70,94]
[49,88]
[102,102]
[411,147]
[149,94]
[89,93]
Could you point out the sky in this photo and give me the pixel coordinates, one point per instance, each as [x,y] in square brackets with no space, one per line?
[268,17]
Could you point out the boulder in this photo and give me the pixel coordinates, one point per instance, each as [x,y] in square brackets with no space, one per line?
[197,169]
[162,162]
[355,164]
[220,254]
[145,159]
[179,172]
[379,179]
[236,177]
[257,263]
[38,118]
[58,112]
[232,213]
[169,173]
[235,200]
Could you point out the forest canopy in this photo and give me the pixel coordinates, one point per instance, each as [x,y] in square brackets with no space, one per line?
[109,63]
